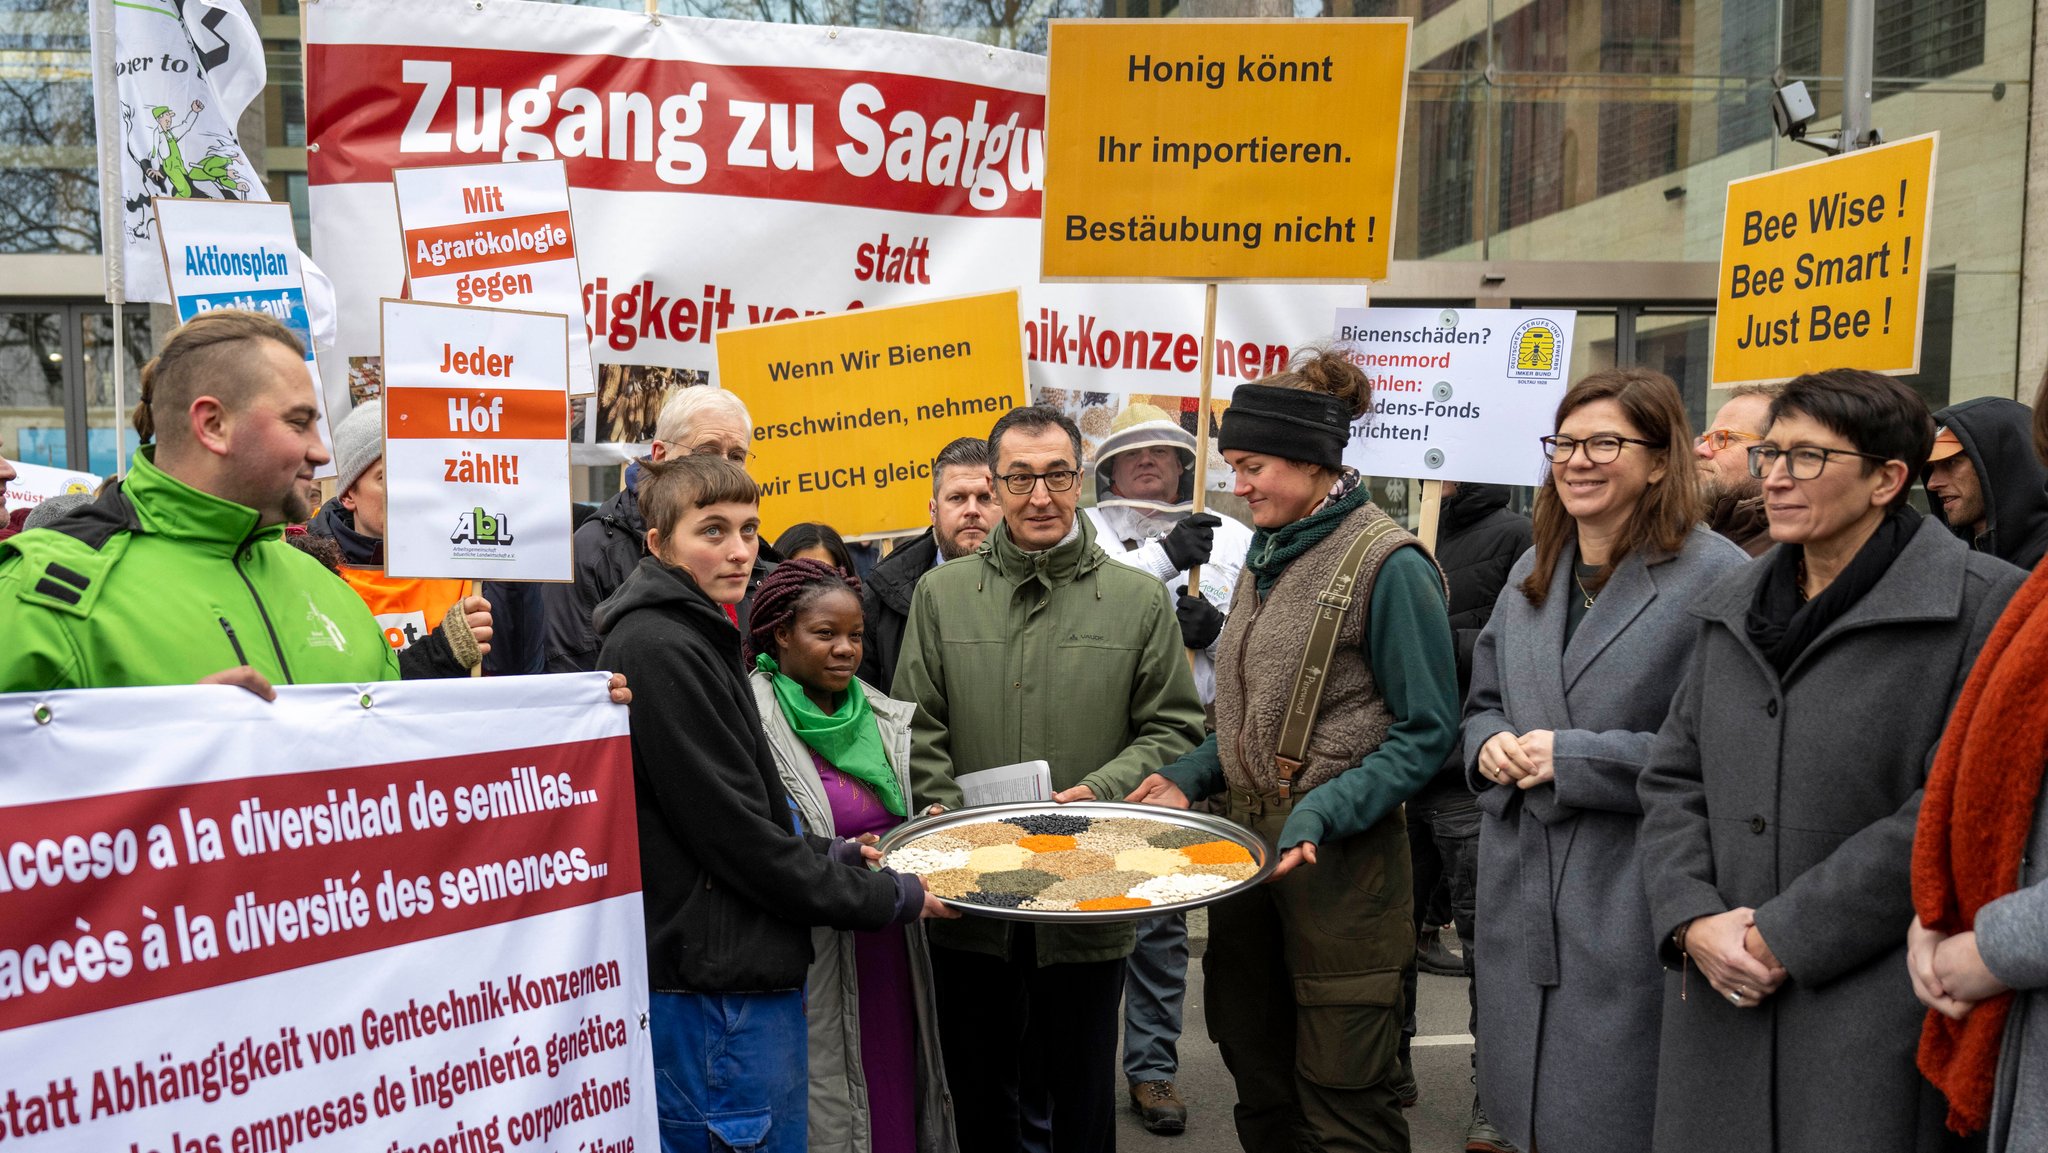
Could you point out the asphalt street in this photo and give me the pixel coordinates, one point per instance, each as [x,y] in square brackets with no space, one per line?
[1443,1069]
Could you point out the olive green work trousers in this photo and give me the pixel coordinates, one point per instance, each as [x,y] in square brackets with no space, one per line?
[1304,992]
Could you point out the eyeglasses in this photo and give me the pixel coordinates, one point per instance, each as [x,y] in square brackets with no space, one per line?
[1058,480]
[1719,439]
[737,454]
[1602,449]
[1803,461]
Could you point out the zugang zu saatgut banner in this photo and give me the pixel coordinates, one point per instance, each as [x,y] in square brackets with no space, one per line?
[397,917]
[732,173]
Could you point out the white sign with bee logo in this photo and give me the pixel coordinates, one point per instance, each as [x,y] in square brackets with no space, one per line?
[1457,393]
[476,443]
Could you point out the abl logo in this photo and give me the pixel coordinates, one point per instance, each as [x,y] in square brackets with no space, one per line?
[479,527]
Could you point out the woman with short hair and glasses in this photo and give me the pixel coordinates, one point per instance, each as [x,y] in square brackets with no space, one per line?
[1570,679]
[1781,796]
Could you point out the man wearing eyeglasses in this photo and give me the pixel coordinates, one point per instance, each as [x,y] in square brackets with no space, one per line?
[699,420]
[1039,647]
[1735,499]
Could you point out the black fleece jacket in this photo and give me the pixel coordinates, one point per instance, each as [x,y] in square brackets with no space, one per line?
[1997,435]
[1478,541]
[729,887]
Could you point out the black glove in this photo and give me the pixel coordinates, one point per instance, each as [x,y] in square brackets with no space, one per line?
[1200,622]
[1191,541]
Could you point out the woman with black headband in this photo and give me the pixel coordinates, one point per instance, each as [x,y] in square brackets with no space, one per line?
[1304,973]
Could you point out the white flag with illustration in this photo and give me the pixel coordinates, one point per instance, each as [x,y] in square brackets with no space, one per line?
[183,72]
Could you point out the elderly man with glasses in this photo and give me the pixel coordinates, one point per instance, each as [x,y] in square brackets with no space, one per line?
[1039,647]
[695,421]
[1735,499]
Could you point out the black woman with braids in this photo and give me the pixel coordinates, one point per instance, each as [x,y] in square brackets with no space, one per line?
[843,749]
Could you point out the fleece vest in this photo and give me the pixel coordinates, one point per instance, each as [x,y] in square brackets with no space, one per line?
[1259,656]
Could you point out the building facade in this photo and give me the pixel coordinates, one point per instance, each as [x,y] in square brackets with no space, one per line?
[1558,152]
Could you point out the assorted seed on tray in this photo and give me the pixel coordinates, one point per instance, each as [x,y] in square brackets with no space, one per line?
[1056,862]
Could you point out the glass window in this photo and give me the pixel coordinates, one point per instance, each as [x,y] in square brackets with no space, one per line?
[32,387]
[97,369]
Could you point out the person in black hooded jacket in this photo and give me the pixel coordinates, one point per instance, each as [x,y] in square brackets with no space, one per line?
[730,886]
[1984,481]
[610,542]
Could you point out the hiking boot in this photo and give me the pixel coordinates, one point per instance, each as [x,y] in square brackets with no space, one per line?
[1159,1106]
[1433,956]
[1405,1088]
[1481,1136]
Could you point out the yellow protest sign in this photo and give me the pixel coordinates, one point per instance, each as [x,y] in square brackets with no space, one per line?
[1824,265]
[850,409]
[1223,149]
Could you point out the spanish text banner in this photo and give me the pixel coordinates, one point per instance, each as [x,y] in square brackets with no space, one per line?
[1223,149]
[1824,265]
[383,917]
[476,443]
[849,410]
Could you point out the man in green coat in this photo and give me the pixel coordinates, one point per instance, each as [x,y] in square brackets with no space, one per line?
[1039,647]
[180,574]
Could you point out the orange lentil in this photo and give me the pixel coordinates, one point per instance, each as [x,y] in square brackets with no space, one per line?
[1217,853]
[1045,843]
[1114,903]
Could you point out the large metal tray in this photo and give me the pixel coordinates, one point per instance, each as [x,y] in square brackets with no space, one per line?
[1206,823]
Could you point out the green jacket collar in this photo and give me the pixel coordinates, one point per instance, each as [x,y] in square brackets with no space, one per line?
[171,508]
[1061,564]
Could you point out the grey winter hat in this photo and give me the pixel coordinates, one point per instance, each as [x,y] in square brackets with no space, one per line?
[358,443]
[54,507]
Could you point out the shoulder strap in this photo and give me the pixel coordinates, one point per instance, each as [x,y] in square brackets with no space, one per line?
[1307,698]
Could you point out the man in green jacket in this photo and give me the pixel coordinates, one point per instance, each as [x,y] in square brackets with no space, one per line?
[1039,647]
[180,574]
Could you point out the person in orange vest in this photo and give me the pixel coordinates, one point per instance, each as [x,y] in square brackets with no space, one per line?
[437,630]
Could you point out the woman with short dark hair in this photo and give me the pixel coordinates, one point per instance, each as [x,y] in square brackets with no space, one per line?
[1780,799]
[730,884]
[1570,680]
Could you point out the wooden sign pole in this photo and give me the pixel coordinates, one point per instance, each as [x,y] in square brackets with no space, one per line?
[1202,428]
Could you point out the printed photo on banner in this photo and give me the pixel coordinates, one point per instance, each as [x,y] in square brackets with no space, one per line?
[761,173]
[1825,264]
[242,255]
[476,438]
[497,235]
[849,410]
[409,933]
[1457,394]
[1218,150]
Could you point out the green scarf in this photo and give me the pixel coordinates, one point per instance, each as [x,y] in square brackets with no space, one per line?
[1274,549]
[850,740]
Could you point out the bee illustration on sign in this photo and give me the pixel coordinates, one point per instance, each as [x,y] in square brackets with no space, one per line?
[1534,352]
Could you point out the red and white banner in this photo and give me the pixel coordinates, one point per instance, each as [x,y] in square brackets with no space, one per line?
[499,235]
[391,917]
[476,448]
[731,173]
